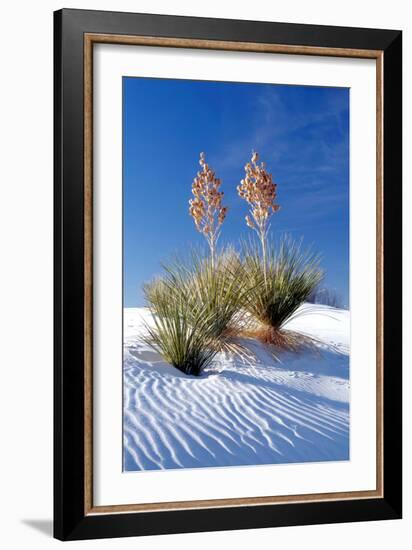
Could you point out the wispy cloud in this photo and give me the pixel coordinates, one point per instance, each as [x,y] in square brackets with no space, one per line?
[283,130]
[305,145]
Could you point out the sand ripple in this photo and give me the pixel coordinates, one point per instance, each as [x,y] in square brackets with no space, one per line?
[295,410]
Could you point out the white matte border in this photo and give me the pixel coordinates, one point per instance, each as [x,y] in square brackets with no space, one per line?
[110,485]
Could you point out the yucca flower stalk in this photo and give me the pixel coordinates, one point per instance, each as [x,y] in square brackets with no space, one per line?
[206,207]
[259,191]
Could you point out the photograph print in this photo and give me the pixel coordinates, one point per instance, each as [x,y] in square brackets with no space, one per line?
[236,319]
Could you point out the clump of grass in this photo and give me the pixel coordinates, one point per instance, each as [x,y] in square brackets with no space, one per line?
[278,288]
[198,310]
[184,339]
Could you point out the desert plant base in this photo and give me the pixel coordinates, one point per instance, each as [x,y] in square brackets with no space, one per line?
[282,339]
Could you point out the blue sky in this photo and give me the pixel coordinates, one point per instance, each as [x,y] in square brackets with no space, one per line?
[301,132]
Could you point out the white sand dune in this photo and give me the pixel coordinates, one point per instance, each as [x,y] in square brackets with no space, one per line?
[295,409]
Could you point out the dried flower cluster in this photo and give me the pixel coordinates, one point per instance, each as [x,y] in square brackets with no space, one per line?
[206,207]
[259,190]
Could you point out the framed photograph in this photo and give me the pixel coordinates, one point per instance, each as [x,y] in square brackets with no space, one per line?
[227,274]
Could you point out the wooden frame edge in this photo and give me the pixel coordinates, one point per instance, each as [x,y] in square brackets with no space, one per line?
[379,274]
[206,44]
[88,276]
[230,502]
[89,40]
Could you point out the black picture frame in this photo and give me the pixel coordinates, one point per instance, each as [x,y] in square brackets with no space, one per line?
[70,520]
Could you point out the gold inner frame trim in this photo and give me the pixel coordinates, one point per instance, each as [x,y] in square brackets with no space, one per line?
[89,40]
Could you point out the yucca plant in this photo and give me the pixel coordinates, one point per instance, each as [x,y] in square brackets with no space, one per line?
[218,287]
[277,292]
[209,298]
[184,338]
